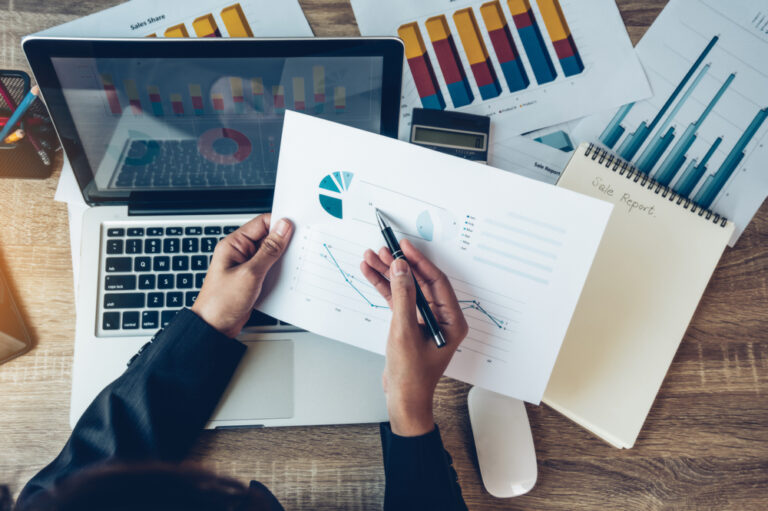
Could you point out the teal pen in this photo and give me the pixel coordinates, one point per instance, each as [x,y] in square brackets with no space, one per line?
[19,112]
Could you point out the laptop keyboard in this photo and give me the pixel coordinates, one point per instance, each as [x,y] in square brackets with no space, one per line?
[148,273]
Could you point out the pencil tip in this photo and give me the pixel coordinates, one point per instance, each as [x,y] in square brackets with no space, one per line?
[35,90]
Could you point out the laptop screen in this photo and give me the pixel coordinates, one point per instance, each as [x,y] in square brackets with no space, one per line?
[206,123]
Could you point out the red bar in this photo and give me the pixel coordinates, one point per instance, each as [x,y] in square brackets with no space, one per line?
[112,99]
[279,101]
[197,103]
[447,57]
[136,106]
[178,108]
[482,73]
[218,104]
[500,39]
[423,75]
[155,98]
[565,48]
[523,20]
[319,98]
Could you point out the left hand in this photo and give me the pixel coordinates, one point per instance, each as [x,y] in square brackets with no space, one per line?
[237,271]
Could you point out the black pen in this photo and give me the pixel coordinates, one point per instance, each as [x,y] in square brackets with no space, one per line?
[421,301]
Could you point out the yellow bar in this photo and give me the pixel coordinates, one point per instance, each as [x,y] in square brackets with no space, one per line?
[176,98]
[340,96]
[493,16]
[257,86]
[470,36]
[195,90]
[236,22]
[411,36]
[237,86]
[437,28]
[107,80]
[318,75]
[151,35]
[131,89]
[554,19]
[518,6]
[205,26]
[298,89]
[278,90]
[177,31]
[153,89]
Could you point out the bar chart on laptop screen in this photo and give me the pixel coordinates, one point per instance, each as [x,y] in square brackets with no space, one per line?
[705,131]
[546,61]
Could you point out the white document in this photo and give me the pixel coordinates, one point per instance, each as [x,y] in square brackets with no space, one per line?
[191,18]
[538,88]
[705,130]
[516,250]
[68,192]
[526,157]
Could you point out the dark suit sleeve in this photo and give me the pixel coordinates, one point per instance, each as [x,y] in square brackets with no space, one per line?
[419,473]
[156,409]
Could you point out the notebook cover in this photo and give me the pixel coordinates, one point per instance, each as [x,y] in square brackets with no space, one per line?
[651,269]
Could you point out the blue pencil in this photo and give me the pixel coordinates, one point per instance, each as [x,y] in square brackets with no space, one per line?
[19,112]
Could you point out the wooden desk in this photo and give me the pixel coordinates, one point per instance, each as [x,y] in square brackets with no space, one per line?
[705,444]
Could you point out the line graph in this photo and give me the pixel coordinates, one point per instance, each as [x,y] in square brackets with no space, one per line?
[475,305]
[348,278]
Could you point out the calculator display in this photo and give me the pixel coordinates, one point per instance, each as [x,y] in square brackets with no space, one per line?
[424,135]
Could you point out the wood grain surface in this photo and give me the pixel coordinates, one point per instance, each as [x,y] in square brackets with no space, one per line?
[704,445]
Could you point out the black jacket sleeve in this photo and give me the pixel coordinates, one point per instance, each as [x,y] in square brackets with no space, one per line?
[156,409]
[419,473]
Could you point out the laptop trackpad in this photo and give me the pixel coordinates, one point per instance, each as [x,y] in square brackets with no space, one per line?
[262,387]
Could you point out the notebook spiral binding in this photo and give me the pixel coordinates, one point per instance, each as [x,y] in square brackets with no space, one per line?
[628,170]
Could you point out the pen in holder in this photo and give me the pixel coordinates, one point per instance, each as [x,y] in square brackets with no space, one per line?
[27,149]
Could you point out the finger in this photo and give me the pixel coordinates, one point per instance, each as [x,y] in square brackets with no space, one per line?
[377,280]
[386,256]
[375,262]
[271,248]
[240,245]
[403,294]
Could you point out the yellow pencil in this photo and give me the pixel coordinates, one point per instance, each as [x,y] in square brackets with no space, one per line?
[14,137]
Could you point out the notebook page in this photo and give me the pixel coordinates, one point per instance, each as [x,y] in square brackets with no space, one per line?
[648,276]
[516,250]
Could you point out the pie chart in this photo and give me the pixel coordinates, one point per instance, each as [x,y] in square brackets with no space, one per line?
[224,146]
[332,188]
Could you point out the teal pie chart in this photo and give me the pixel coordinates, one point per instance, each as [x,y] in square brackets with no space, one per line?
[332,188]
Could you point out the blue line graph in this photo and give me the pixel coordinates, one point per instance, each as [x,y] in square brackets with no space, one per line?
[474,304]
[348,278]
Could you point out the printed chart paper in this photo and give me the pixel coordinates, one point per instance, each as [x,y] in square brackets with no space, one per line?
[191,18]
[516,250]
[529,63]
[705,130]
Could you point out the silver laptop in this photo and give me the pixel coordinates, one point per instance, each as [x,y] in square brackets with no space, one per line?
[175,143]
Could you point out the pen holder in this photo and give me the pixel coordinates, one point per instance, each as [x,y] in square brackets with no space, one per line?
[32,156]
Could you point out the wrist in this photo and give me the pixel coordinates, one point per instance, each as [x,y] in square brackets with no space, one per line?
[213,320]
[411,420]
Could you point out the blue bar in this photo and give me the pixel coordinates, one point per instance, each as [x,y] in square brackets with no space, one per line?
[572,65]
[632,143]
[715,183]
[615,130]
[433,102]
[514,72]
[558,140]
[460,92]
[541,62]
[693,172]
[676,158]
[653,151]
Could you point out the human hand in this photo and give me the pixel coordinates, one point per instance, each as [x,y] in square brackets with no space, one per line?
[237,271]
[414,363]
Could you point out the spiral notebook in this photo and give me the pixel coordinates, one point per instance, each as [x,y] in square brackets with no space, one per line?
[653,264]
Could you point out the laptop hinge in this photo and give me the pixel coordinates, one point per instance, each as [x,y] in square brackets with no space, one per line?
[199,204]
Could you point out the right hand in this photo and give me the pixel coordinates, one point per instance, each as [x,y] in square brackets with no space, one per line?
[414,364]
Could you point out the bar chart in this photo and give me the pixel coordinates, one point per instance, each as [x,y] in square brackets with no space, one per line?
[705,132]
[232,18]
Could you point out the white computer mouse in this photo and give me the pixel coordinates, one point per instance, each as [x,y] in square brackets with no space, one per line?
[504,443]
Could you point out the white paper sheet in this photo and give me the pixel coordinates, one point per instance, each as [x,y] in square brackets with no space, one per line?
[525,156]
[611,74]
[516,250]
[68,192]
[144,18]
[707,41]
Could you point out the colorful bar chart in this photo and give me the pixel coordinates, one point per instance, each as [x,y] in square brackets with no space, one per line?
[340,99]
[299,94]
[632,142]
[663,138]
[155,100]
[177,31]
[477,54]
[196,94]
[278,97]
[257,89]
[421,67]
[133,97]
[112,99]
[714,184]
[177,104]
[676,157]
[318,87]
[533,42]
[217,99]
[504,46]
[449,60]
[205,26]
[560,34]
[235,21]
[236,85]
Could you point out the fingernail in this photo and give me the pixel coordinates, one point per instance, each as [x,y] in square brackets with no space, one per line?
[400,267]
[282,228]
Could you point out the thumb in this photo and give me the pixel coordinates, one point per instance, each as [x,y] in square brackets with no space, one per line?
[403,293]
[271,248]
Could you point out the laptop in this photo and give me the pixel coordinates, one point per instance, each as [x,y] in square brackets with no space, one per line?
[174,144]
